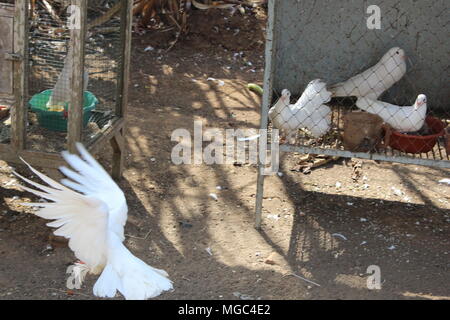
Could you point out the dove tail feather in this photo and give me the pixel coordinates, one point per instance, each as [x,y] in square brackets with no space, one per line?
[130,276]
[108,283]
[142,281]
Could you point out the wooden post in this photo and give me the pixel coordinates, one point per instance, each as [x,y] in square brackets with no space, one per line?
[7,12]
[126,18]
[19,110]
[117,144]
[77,43]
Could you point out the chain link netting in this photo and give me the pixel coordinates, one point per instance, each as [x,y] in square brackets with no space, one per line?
[51,63]
[103,59]
[341,82]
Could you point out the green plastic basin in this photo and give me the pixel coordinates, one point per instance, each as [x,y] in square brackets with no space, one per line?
[57,120]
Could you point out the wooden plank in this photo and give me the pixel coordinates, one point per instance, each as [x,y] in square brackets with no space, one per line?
[123,81]
[104,137]
[6,46]
[114,135]
[54,160]
[118,160]
[19,110]
[77,43]
[35,158]
[124,72]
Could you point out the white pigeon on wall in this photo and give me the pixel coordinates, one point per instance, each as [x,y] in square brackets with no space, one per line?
[308,112]
[375,80]
[402,119]
[93,218]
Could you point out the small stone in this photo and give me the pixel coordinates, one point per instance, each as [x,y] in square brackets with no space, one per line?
[185,224]
[271,262]
[271,259]
[214,196]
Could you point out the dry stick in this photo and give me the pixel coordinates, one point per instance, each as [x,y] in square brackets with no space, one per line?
[175,21]
[140,238]
[107,16]
[241,3]
[50,10]
[174,8]
[434,155]
[321,162]
[105,30]
[445,147]
[203,6]
[178,34]
[439,149]
[304,279]
[72,292]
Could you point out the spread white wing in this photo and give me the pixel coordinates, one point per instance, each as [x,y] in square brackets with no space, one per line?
[82,218]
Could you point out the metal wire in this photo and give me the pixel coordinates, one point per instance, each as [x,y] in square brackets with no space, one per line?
[369,97]
[367,103]
[50,56]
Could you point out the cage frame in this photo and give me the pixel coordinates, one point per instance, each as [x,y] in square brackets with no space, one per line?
[114,134]
[270,58]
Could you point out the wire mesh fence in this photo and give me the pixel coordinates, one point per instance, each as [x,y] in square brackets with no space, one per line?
[357,78]
[51,46]
[6,70]
[50,64]
[64,72]
[103,61]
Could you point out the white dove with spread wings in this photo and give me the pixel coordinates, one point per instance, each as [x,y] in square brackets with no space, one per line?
[90,210]
[375,80]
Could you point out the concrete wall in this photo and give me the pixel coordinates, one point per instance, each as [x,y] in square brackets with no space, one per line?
[329,39]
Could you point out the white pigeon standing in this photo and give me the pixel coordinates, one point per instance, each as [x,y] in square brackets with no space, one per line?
[375,80]
[281,114]
[402,119]
[93,218]
[308,112]
[312,101]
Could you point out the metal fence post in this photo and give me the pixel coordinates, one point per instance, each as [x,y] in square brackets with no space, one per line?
[266,100]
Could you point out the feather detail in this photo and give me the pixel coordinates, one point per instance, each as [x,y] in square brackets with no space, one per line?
[90,210]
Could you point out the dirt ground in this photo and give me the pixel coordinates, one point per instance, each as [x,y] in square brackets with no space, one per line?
[323,226]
